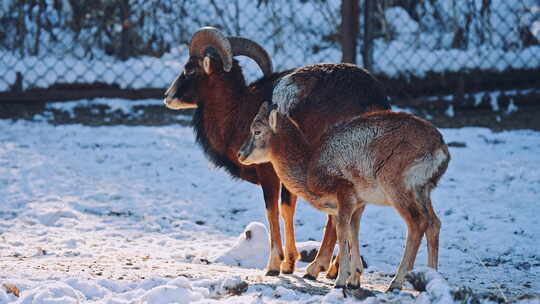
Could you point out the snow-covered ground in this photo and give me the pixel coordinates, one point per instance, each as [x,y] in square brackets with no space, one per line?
[137,215]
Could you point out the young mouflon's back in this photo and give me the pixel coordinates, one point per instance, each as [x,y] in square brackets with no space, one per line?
[384,158]
[379,150]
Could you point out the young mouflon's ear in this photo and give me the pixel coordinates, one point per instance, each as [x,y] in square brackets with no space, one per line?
[272,120]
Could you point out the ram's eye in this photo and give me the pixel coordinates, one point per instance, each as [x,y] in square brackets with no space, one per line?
[257,132]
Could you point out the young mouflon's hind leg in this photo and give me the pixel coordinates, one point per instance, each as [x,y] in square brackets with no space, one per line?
[288,207]
[346,204]
[404,201]
[432,230]
[357,267]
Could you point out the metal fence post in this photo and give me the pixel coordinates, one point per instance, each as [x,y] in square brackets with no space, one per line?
[349,30]
[367,51]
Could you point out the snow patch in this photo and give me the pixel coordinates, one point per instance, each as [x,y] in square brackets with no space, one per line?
[170,294]
[251,249]
[450,111]
[90,289]
[50,293]
[52,217]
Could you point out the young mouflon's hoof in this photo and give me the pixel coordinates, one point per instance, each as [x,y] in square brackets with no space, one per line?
[287,268]
[353,286]
[393,287]
[309,277]
[272,273]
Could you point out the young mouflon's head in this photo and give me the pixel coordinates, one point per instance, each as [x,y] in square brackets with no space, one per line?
[256,148]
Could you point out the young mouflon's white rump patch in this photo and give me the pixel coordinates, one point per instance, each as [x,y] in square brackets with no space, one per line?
[424,168]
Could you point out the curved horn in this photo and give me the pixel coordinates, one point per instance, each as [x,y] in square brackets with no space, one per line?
[211,37]
[251,49]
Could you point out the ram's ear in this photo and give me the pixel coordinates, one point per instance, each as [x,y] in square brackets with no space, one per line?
[207,65]
[272,120]
[211,62]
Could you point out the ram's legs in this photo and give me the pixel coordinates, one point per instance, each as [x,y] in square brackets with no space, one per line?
[288,207]
[270,185]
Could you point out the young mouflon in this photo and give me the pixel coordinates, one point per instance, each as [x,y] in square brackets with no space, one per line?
[384,158]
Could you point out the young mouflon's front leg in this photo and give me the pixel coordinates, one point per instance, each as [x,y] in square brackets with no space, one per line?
[324,256]
[333,269]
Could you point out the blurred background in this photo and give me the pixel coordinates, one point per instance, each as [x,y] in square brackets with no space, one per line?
[482,54]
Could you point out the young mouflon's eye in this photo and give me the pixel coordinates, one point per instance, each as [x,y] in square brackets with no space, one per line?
[257,132]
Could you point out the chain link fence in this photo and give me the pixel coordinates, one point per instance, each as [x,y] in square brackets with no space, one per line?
[134,44]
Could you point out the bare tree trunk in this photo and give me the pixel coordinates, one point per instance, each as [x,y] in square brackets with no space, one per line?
[367,52]
[485,13]
[38,27]
[21,28]
[350,16]
[124,15]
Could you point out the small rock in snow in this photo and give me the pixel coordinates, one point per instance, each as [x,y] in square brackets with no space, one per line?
[233,286]
[308,250]
[10,288]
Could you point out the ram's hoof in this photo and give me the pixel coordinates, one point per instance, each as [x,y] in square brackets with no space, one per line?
[309,277]
[331,276]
